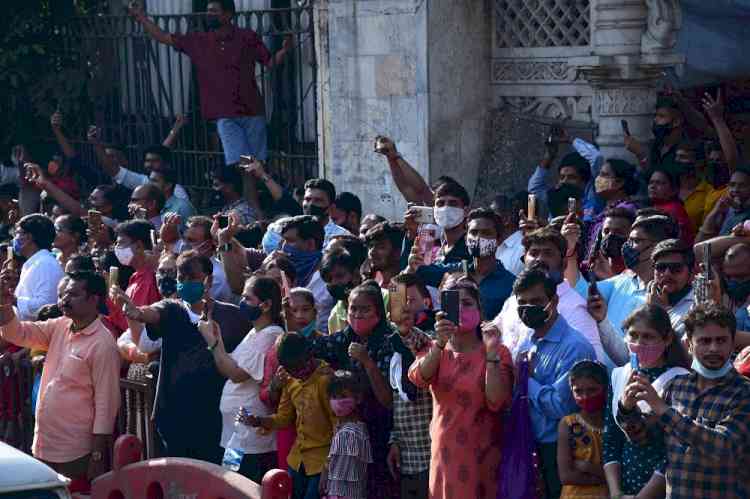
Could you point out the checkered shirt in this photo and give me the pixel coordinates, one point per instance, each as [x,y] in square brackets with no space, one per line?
[411,419]
[243,210]
[708,438]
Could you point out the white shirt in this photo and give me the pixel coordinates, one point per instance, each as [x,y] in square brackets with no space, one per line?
[37,286]
[331,230]
[324,302]
[145,344]
[571,306]
[510,253]
[220,288]
[679,311]
[250,356]
[131,180]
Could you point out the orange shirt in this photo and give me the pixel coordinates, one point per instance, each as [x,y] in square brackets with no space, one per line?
[79,394]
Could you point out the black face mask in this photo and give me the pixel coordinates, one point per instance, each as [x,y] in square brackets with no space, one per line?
[315,211]
[213,23]
[630,256]
[661,131]
[167,285]
[612,245]
[339,291]
[533,316]
[738,291]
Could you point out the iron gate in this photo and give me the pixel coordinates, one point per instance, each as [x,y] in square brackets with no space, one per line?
[136,87]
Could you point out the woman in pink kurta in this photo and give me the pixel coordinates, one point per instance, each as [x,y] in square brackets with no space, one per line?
[470,375]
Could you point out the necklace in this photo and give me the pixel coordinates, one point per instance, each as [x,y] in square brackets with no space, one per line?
[587,425]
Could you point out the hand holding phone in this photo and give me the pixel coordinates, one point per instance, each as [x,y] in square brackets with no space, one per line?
[449,302]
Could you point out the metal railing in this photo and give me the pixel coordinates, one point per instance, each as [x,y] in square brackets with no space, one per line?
[136,87]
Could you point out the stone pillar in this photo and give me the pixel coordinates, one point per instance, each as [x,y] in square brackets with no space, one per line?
[632,49]
[413,73]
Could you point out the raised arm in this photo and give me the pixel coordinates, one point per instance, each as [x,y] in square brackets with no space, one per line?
[41,181]
[150,27]
[259,173]
[715,110]
[56,122]
[408,181]
[174,133]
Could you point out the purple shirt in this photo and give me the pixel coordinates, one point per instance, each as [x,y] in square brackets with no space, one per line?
[225,63]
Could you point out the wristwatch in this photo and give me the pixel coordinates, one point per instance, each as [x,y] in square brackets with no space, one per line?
[96,456]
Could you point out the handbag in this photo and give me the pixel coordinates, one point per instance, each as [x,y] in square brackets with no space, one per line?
[519,471]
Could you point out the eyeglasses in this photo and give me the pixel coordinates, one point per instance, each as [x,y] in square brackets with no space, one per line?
[672,267]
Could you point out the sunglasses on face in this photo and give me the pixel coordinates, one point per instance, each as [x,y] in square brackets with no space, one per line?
[672,267]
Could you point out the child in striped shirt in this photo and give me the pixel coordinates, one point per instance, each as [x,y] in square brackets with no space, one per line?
[345,476]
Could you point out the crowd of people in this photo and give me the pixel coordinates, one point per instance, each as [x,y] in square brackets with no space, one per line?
[585,338]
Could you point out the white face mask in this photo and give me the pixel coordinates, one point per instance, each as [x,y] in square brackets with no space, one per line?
[124,255]
[449,217]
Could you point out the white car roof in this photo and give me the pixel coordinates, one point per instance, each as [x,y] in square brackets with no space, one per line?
[23,472]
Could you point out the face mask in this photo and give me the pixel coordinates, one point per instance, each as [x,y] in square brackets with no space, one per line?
[308,330]
[167,285]
[213,23]
[612,245]
[363,326]
[343,407]
[190,291]
[604,184]
[711,373]
[17,246]
[593,404]
[738,290]
[124,255]
[251,312]
[556,276]
[647,355]
[469,320]
[449,217]
[630,256]
[304,262]
[481,247]
[661,131]
[315,211]
[338,291]
[271,241]
[533,316]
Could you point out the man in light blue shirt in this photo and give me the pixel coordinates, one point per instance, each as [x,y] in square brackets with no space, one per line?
[165,180]
[553,349]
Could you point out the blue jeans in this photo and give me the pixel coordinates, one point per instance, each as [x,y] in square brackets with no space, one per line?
[243,136]
[303,486]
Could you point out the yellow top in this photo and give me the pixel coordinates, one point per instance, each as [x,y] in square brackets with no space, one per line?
[585,444]
[701,201]
[305,404]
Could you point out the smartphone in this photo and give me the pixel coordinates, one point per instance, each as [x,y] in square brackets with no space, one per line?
[572,205]
[625,127]
[223,221]
[634,361]
[95,218]
[449,301]
[246,160]
[114,276]
[397,302]
[531,212]
[425,215]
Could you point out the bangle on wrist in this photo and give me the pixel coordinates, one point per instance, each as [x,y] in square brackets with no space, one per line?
[211,348]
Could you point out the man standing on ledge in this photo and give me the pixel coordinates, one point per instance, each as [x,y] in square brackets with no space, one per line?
[225,58]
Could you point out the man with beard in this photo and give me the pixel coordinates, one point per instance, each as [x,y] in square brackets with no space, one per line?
[224,58]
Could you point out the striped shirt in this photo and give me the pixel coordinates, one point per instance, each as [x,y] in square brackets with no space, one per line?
[347,462]
[708,438]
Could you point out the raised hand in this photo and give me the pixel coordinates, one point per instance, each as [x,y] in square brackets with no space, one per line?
[444,329]
[597,307]
[714,107]
[385,146]
[491,338]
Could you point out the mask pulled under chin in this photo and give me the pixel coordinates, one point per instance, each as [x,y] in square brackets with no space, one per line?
[711,373]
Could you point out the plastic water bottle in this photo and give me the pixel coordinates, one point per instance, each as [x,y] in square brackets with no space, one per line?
[234,452]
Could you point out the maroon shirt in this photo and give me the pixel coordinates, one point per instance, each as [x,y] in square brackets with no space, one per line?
[225,63]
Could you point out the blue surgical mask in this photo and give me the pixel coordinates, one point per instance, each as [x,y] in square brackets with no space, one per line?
[17,246]
[308,330]
[251,312]
[190,291]
[711,373]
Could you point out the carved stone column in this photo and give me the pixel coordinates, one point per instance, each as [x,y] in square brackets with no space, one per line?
[633,44]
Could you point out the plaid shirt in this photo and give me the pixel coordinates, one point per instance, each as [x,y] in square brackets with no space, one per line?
[411,419]
[243,210]
[708,438]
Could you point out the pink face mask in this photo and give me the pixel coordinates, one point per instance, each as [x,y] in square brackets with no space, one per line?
[647,355]
[343,407]
[469,320]
[363,326]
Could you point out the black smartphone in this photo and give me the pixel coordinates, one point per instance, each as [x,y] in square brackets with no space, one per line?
[449,302]
[223,221]
[625,127]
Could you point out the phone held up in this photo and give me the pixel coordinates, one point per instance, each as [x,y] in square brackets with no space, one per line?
[449,301]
